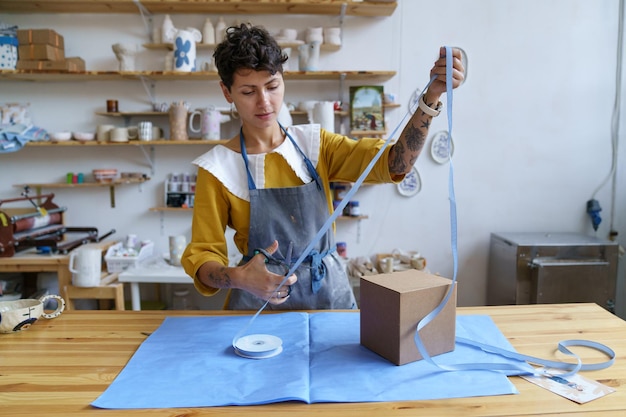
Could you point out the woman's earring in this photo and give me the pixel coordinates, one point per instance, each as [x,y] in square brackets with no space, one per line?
[233,111]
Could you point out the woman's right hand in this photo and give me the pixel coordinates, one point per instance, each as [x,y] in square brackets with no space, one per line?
[253,277]
[259,281]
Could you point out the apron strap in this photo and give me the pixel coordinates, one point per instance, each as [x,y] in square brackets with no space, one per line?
[244,155]
[309,165]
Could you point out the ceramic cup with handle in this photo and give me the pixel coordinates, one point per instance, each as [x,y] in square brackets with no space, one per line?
[144,131]
[19,315]
[86,266]
[209,126]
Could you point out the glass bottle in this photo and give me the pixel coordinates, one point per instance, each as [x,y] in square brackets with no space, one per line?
[181,300]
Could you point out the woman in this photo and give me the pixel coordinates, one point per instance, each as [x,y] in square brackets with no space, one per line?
[271,184]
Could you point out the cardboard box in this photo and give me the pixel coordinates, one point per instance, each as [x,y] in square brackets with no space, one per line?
[392,305]
[40,37]
[35,52]
[72,64]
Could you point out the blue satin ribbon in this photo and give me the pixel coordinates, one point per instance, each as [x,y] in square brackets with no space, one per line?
[511,369]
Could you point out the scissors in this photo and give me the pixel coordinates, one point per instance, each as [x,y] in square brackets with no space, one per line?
[272,260]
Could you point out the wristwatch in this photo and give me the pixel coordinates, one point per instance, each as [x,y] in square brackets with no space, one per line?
[429,110]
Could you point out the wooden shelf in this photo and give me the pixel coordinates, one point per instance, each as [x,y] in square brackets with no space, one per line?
[200,46]
[171,209]
[111,185]
[161,209]
[353,8]
[54,76]
[125,181]
[374,133]
[348,218]
[93,143]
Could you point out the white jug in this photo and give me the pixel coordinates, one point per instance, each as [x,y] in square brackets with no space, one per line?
[209,123]
[309,56]
[324,114]
[86,266]
[185,49]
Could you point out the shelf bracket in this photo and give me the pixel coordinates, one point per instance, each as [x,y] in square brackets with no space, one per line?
[342,16]
[149,85]
[162,223]
[149,157]
[146,16]
[112,195]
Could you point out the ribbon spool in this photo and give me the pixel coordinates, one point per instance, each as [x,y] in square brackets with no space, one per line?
[258,346]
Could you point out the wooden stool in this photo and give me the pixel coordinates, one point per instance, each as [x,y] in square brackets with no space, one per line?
[109,289]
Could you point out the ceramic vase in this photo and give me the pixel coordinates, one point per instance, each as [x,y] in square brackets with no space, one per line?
[309,56]
[185,49]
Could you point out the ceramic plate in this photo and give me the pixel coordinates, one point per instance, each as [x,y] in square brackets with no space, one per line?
[414,100]
[439,147]
[411,184]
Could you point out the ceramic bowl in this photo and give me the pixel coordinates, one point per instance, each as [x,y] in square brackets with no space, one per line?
[61,136]
[104,175]
[84,135]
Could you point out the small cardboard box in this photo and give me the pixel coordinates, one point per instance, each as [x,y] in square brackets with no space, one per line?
[36,52]
[393,304]
[72,64]
[40,37]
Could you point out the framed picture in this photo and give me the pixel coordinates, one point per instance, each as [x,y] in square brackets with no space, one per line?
[366,109]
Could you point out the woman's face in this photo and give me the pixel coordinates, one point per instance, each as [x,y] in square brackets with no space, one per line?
[258,96]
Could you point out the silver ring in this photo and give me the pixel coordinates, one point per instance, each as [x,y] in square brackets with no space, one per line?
[277,294]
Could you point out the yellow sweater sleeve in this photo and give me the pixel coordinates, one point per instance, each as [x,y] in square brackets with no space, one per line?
[215,208]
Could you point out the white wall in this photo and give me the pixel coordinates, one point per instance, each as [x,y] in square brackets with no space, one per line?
[531,125]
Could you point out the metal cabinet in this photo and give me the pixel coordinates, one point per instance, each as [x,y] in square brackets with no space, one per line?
[539,268]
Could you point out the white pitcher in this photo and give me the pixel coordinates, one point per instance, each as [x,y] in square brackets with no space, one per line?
[309,56]
[86,266]
[210,119]
[324,114]
[185,49]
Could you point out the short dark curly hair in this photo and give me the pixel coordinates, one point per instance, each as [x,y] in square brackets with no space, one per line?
[247,47]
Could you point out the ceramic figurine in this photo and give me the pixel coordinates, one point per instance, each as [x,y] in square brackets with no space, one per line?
[167,30]
[125,54]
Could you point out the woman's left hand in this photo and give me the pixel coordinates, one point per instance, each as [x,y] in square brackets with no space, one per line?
[438,86]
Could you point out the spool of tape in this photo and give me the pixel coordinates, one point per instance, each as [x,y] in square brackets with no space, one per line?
[258,346]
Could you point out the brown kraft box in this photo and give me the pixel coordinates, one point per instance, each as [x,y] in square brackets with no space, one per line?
[39,53]
[71,64]
[392,305]
[40,37]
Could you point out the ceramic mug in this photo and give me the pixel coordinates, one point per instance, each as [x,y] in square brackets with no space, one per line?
[103,133]
[86,266]
[209,126]
[177,247]
[118,134]
[157,133]
[144,131]
[19,315]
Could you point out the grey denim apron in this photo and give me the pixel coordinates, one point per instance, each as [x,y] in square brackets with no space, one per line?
[293,216]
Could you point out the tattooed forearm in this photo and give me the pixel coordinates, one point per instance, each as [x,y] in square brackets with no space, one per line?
[397,165]
[219,278]
[404,153]
[415,138]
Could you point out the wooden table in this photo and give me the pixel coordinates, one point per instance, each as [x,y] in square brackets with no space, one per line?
[58,367]
[31,261]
